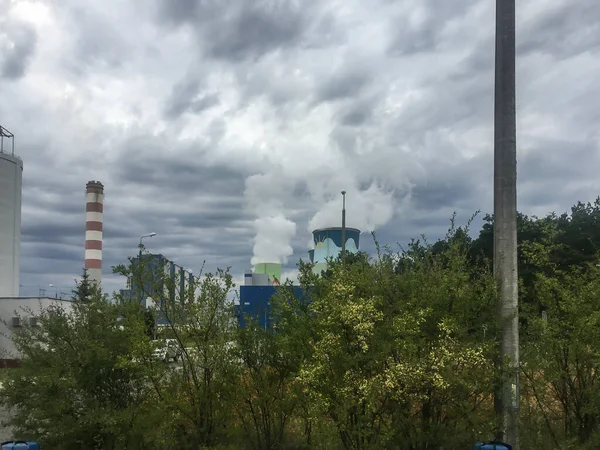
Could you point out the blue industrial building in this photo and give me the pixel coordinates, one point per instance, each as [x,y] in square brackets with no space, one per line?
[255,302]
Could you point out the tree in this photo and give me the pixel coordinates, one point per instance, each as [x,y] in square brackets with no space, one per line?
[197,392]
[85,290]
[563,359]
[392,360]
[75,388]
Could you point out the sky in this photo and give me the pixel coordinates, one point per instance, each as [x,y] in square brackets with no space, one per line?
[230,127]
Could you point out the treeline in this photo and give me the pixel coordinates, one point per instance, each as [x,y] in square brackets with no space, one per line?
[395,351]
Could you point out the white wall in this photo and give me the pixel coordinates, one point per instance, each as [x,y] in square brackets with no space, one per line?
[11,181]
[8,306]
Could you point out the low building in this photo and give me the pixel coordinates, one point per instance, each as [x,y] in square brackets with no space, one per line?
[19,312]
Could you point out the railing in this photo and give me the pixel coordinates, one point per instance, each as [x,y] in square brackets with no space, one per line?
[4,133]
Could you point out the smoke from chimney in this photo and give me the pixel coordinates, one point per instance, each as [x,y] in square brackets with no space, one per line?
[94,198]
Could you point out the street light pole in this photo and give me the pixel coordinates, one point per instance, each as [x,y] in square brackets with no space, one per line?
[145,236]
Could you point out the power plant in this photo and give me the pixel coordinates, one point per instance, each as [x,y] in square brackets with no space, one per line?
[11,185]
[260,284]
[94,209]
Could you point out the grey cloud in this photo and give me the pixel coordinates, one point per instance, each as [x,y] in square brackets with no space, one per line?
[543,169]
[244,30]
[59,252]
[427,35]
[52,232]
[186,97]
[359,111]
[562,31]
[355,116]
[97,41]
[22,40]
[193,196]
[347,83]
[221,213]
[556,160]
[174,175]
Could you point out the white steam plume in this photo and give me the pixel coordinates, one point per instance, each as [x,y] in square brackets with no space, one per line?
[265,199]
[272,239]
[365,210]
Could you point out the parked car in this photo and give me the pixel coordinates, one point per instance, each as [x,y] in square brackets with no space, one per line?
[167,350]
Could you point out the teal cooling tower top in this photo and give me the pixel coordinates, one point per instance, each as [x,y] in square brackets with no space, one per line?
[328,243]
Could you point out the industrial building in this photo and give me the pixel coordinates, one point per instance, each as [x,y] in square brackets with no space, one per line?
[155,279]
[260,284]
[19,312]
[15,312]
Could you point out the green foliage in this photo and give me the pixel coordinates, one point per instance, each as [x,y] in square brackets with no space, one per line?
[398,357]
[74,388]
[395,351]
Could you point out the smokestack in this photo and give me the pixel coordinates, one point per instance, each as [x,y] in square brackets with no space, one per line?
[94,197]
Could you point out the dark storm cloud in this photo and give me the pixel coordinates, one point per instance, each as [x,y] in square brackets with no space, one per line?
[59,252]
[15,56]
[181,175]
[53,231]
[355,116]
[562,31]
[220,214]
[442,191]
[186,97]
[427,34]
[542,172]
[344,84]
[558,159]
[241,30]
[358,111]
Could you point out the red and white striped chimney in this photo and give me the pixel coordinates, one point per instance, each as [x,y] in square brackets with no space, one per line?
[94,197]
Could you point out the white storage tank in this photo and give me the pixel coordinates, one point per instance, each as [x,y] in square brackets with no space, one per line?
[11,182]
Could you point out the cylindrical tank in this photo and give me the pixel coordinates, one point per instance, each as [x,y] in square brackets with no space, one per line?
[273,270]
[11,182]
[328,243]
[94,209]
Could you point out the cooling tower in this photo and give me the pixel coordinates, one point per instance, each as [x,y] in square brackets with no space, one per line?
[94,197]
[328,244]
[11,182]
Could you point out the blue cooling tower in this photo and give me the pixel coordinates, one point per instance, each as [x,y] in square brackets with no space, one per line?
[328,243]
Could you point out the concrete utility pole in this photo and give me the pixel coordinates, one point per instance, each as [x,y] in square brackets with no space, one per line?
[505,222]
[343,222]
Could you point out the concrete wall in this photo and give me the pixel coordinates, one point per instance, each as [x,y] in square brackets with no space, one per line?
[25,307]
[11,181]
